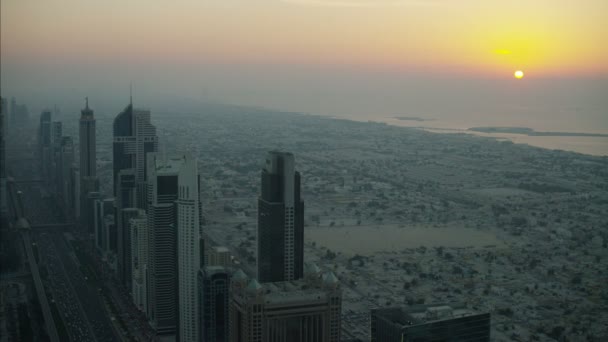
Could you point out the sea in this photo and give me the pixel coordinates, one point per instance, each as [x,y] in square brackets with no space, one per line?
[591,145]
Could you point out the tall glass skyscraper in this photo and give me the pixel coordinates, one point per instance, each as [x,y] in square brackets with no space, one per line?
[134,137]
[88,165]
[280,221]
[214,303]
[174,230]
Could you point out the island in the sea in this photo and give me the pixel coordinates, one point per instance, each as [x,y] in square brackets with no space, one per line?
[410,118]
[531,132]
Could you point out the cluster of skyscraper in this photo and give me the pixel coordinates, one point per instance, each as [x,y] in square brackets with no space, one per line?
[150,235]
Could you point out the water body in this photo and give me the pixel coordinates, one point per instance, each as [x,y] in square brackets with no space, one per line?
[391,238]
[597,146]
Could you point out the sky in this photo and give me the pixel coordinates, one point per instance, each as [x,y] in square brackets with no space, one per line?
[337,57]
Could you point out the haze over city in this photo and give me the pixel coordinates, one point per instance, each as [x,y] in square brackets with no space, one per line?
[303,170]
[359,58]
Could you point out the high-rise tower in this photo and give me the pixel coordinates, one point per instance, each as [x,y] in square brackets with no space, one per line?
[88,154]
[44,144]
[134,137]
[3,129]
[280,221]
[188,248]
[174,250]
[88,165]
[304,310]
[214,303]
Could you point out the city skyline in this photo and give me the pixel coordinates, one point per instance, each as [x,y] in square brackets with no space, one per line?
[303,170]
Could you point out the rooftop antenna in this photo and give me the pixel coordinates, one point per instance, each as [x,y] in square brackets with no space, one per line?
[86,99]
[131,93]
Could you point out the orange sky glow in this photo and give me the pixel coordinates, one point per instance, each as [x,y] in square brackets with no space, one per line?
[477,37]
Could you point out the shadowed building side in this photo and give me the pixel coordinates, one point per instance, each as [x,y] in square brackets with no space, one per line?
[280,221]
[88,166]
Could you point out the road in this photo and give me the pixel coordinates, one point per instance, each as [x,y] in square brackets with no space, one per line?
[87,293]
[44,304]
[62,290]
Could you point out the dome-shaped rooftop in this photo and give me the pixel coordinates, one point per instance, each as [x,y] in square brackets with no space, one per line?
[330,278]
[254,286]
[239,275]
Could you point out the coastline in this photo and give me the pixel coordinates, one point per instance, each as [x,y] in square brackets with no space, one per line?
[589,143]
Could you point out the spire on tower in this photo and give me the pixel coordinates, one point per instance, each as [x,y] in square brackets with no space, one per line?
[86,99]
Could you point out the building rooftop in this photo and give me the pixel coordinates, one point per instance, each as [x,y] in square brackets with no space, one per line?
[421,314]
[288,292]
[169,164]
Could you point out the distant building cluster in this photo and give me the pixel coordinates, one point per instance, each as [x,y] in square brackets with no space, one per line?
[150,237]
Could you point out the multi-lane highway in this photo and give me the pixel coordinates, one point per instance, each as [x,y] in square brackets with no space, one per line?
[78,299]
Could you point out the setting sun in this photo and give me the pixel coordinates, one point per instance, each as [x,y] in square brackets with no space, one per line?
[519,74]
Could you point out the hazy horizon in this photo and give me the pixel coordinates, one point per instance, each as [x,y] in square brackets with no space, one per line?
[354,59]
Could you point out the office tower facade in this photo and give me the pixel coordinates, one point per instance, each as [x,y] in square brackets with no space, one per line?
[75,190]
[91,198]
[440,322]
[214,303]
[124,200]
[280,221]
[139,259]
[174,240]
[188,248]
[44,144]
[126,215]
[162,188]
[103,211]
[56,134]
[66,161]
[303,310]
[13,112]
[133,137]
[217,256]
[19,114]
[3,130]
[88,164]
[55,169]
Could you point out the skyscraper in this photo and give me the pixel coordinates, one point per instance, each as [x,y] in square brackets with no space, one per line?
[438,322]
[56,134]
[88,165]
[13,115]
[304,310]
[139,259]
[3,129]
[103,209]
[124,201]
[66,159]
[88,152]
[162,193]
[174,235]
[44,144]
[188,248]
[133,137]
[214,303]
[125,258]
[280,221]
